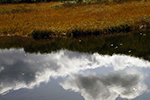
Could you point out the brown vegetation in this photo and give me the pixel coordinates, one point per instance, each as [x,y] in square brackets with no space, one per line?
[56,19]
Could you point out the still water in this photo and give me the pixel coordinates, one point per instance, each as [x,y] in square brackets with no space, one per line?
[71,74]
[67,75]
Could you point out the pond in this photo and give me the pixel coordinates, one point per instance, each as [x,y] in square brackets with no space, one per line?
[108,68]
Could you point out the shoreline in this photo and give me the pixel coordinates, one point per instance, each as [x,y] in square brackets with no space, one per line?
[116,31]
[80,33]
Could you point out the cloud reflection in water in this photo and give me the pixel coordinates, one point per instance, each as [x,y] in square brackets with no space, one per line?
[19,70]
[126,84]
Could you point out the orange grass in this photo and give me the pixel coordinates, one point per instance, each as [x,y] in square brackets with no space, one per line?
[65,20]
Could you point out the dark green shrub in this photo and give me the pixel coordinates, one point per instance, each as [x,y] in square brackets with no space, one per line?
[40,34]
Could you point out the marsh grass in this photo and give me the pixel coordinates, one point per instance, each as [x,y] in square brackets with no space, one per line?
[21,9]
[16,9]
[55,20]
[4,11]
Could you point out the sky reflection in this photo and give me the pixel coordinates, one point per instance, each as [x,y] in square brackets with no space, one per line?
[20,70]
[126,84]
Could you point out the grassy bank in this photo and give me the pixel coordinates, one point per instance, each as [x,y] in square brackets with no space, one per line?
[54,20]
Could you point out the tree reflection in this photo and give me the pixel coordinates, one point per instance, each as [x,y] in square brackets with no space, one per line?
[133,44]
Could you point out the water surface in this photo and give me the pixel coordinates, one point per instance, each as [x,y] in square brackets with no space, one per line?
[110,68]
[69,75]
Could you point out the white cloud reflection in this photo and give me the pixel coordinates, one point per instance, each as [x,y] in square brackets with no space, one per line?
[19,70]
[92,87]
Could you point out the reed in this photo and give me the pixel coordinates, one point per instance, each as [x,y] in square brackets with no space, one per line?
[80,19]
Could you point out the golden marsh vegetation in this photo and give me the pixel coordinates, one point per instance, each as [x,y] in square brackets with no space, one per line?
[56,19]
